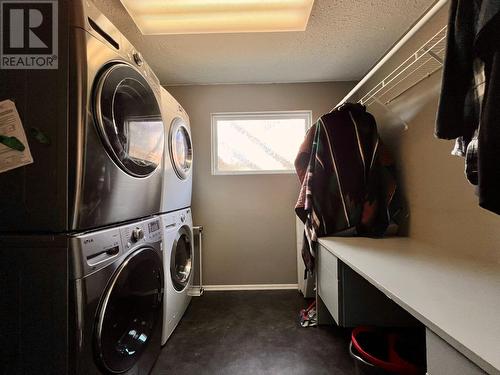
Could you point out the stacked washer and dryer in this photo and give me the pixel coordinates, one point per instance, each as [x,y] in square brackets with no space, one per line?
[177,222]
[90,270]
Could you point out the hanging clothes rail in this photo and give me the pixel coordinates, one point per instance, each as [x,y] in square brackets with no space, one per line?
[424,62]
[427,60]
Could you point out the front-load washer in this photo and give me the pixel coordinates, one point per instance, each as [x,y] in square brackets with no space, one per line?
[94,130]
[177,231]
[86,303]
[119,278]
[177,175]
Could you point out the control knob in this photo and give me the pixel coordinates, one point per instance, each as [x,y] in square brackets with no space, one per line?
[138,58]
[137,234]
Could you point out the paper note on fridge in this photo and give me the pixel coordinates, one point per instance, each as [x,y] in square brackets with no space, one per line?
[11,126]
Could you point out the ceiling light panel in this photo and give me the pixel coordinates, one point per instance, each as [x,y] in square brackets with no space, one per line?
[218,16]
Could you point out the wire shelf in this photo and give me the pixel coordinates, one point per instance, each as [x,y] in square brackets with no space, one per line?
[423,63]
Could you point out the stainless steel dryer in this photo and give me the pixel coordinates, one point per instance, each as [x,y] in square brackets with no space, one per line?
[95,131]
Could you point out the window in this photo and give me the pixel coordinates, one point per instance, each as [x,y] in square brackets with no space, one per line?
[257,143]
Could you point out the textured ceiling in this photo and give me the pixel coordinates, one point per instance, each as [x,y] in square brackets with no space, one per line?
[344,38]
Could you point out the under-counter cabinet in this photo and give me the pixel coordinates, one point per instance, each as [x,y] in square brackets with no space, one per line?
[443,359]
[352,301]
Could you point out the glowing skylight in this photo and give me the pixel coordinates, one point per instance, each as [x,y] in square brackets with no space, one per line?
[218,16]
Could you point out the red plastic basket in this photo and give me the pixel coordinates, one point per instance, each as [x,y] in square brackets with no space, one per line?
[394,363]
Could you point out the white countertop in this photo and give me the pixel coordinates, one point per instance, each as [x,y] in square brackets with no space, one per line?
[457,298]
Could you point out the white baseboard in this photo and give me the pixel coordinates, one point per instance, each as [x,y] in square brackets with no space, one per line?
[195,291]
[219,288]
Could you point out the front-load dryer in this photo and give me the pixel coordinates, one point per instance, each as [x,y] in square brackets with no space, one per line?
[94,129]
[178,170]
[177,230]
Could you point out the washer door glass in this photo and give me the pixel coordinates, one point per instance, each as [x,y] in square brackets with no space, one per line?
[181,260]
[181,150]
[130,310]
[129,120]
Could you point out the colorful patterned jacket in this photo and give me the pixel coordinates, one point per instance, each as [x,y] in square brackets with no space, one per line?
[347,176]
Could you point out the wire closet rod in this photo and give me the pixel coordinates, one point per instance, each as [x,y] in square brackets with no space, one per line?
[425,18]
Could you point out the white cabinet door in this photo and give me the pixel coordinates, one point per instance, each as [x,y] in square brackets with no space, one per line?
[328,283]
[442,359]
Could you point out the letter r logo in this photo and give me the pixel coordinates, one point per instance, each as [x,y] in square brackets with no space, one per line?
[27,27]
[18,25]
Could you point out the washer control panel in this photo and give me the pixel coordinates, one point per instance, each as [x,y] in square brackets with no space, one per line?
[143,232]
[100,248]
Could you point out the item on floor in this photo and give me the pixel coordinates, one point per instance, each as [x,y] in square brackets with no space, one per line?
[468,107]
[307,316]
[362,367]
[178,156]
[348,179]
[177,228]
[382,351]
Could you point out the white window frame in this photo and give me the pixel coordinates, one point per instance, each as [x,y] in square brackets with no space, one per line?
[306,115]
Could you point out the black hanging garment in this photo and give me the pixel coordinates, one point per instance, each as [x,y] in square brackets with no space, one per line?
[469,106]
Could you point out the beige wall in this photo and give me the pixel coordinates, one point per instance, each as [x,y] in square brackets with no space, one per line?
[444,210]
[249,220]
[443,206]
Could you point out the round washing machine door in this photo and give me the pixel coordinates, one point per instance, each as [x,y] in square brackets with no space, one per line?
[130,309]
[129,120]
[181,149]
[181,259]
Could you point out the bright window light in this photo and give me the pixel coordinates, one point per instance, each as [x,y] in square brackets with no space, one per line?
[257,143]
[218,16]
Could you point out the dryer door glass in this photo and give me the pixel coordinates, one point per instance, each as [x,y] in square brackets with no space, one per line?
[129,120]
[181,260]
[130,310]
[181,150]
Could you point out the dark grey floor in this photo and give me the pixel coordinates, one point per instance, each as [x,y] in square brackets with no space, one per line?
[252,333]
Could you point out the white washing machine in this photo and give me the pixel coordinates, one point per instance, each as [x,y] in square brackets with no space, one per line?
[178,155]
[178,254]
